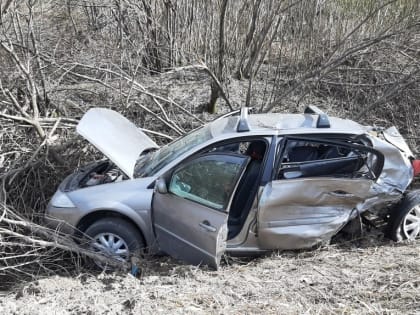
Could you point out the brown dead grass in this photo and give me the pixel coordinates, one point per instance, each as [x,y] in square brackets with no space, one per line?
[380,277]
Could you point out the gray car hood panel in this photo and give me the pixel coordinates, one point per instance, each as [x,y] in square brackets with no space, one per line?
[115,136]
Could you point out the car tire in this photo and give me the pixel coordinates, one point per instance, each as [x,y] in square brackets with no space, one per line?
[404,221]
[123,239]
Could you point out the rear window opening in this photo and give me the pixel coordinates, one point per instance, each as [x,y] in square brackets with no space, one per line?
[308,158]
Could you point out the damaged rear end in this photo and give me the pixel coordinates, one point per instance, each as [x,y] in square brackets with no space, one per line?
[399,164]
[402,214]
[322,185]
[389,189]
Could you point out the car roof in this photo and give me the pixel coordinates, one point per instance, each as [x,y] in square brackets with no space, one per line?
[284,124]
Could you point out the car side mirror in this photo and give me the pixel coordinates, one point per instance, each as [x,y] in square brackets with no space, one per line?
[161,186]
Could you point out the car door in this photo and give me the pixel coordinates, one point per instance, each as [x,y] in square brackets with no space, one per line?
[317,187]
[190,207]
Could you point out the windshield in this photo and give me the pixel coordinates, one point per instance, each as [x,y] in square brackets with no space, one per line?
[152,162]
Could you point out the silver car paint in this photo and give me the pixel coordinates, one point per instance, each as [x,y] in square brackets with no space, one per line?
[397,173]
[393,136]
[293,124]
[130,198]
[188,230]
[186,239]
[262,231]
[299,213]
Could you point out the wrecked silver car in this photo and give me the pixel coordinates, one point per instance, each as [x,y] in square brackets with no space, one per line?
[241,184]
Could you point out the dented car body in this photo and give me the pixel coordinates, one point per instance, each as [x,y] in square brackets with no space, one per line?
[240,184]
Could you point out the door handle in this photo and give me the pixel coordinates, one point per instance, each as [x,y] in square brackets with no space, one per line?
[340,193]
[206,225]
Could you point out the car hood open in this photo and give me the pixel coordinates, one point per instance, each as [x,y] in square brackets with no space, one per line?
[115,136]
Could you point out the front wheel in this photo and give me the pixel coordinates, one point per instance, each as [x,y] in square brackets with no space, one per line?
[115,237]
[404,222]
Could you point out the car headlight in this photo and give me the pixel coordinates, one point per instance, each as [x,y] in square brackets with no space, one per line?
[61,200]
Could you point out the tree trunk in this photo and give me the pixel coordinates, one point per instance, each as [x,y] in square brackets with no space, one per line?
[215,89]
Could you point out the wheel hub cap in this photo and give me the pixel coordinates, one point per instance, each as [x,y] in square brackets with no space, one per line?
[411,224]
[112,245]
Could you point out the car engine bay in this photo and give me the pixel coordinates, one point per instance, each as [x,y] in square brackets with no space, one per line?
[103,173]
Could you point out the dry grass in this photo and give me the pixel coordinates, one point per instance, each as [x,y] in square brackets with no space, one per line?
[377,278]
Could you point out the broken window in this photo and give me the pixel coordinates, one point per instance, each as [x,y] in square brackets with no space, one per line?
[311,158]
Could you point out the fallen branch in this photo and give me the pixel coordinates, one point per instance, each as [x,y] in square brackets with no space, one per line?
[32,240]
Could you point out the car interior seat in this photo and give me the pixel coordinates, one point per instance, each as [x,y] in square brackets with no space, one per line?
[303,153]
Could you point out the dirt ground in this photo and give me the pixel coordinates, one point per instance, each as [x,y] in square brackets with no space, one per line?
[372,277]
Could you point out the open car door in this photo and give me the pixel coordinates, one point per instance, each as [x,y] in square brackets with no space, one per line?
[190,207]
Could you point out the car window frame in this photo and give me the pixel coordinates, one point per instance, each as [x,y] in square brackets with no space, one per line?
[190,160]
[334,140]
